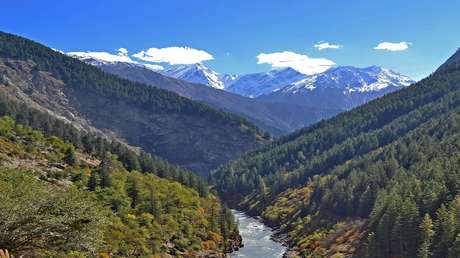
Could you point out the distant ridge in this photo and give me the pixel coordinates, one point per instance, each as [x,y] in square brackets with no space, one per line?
[276,118]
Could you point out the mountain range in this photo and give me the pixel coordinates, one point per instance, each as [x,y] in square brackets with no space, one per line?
[342,87]
[279,101]
[348,79]
[248,85]
[276,118]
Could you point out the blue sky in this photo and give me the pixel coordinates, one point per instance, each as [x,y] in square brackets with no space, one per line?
[235,32]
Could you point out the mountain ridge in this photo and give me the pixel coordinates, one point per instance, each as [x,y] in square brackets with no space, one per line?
[342,87]
[270,104]
[275,118]
[254,85]
[196,73]
[182,131]
[452,63]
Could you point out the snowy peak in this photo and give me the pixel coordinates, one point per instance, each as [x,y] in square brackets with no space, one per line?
[351,79]
[340,88]
[348,79]
[104,58]
[256,84]
[101,57]
[197,73]
[249,85]
[227,79]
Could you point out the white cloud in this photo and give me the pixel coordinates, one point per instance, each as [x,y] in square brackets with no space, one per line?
[122,56]
[174,55]
[154,67]
[122,51]
[389,46]
[325,45]
[301,63]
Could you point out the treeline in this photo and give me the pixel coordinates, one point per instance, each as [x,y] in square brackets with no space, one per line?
[78,75]
[94,144]
[79,208]
[394,162]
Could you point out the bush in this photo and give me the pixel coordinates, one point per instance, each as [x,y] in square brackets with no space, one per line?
[40,218]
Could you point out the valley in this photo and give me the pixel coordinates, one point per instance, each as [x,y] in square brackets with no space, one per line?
[218,129]
[307,185]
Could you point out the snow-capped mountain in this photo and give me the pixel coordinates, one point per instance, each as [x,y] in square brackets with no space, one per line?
[103,58]
[196,73]
[248,85]
[275,118]
[100,57]
[226,78]
[341,87]
[279,100]
[287,80]
[256,84]
[351,79]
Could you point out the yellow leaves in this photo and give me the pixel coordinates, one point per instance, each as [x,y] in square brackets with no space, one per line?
[131,216]
[215,237]
[8,147]
[146,218]
[104,255]
[339,241]
[74,254]
[208,245]
[4,254]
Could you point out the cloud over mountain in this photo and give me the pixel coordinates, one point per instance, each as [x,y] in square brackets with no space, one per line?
[174,55]
[299,62]
[122,56]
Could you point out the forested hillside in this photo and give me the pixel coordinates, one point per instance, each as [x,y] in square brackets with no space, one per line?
[182,131]
[382,180]
[64,193]
[276,118]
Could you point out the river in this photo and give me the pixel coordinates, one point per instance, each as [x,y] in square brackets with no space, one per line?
[256,239]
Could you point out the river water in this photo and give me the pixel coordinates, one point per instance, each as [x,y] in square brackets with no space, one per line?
[256,239]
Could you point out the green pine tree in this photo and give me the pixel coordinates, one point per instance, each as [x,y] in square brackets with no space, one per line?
[70,157]
[426,235]
[454,251]
[93,181]
[106,179]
